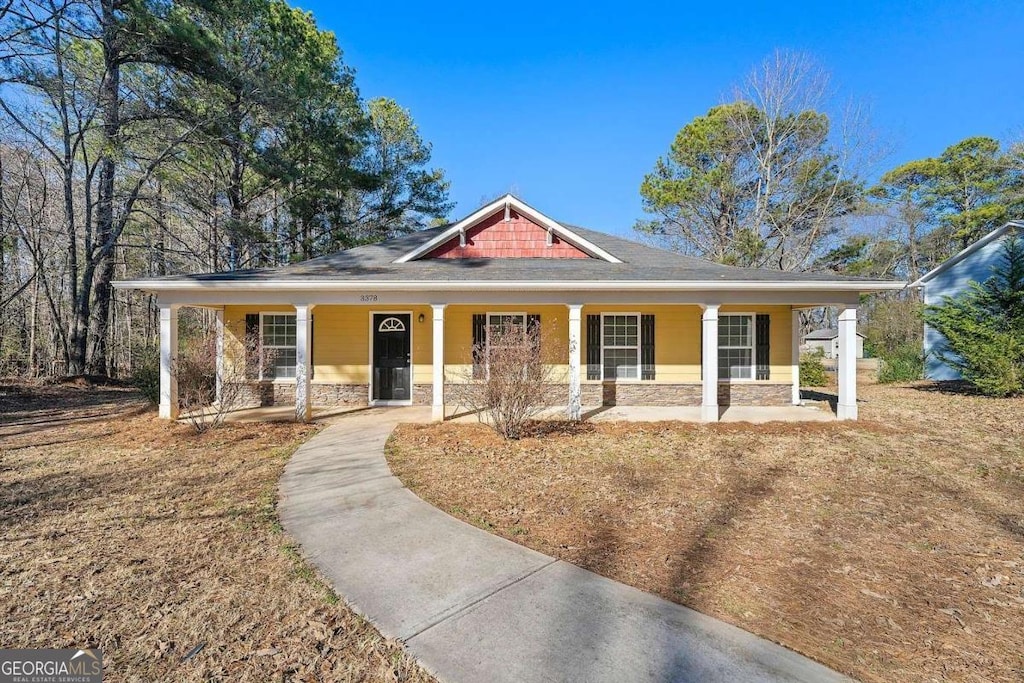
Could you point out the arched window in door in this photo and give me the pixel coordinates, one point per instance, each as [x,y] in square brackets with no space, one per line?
[391,325]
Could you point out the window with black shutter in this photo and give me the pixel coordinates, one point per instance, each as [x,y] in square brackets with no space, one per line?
[479,345]
[593,347]
[763,352]
[252,345]
[646,346]
[533,329]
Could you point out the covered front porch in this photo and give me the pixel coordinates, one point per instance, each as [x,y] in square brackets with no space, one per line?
[615,359]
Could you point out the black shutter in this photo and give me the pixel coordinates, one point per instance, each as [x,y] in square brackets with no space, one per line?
[763,350]
[593,347]
[647,346]
[252,345]
[533,329]
[479,345]
[312,339]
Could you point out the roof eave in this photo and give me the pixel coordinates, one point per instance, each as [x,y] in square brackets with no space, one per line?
[964,253]
[523,285]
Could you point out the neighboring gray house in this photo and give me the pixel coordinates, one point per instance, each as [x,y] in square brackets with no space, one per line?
[973,264]
[828,341]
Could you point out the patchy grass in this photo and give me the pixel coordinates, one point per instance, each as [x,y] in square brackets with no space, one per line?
[125,532]
[891,549]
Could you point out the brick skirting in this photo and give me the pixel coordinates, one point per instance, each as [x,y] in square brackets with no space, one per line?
[754,394]
[422,394]
[649,394]
[592,393]
[261,394]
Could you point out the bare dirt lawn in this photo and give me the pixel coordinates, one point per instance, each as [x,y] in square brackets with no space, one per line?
[891,549]
[128,533]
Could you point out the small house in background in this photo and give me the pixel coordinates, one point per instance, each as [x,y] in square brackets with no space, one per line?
[952,277]
[828,341]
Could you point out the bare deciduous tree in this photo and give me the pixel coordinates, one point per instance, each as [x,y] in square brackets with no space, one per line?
[114,121]
[765,179]
[515,379]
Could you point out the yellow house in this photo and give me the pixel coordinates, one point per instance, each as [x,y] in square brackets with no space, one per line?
[396,323]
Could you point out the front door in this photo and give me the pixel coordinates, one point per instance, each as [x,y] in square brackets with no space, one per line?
[392,378]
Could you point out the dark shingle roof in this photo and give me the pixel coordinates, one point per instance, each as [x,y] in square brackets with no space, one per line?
[375,262]
[824,334]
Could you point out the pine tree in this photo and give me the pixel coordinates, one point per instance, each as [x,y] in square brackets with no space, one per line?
[984,326]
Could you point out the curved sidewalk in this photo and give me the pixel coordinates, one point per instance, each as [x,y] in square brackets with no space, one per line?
[475,607]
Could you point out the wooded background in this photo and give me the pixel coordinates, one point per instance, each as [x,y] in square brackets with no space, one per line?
[143,138]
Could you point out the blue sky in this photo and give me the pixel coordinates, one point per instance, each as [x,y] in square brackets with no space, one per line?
[569,104]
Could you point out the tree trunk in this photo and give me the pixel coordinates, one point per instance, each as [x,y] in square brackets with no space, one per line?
[99,320]
[32,329]
[160,243]
[73,348]
[235,190]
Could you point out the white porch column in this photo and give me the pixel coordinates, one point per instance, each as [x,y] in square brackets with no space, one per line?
[303,360]
[709,366]
[168,360]
[847,408]
[575,407]
[796,356]
[437,404]
[219,326]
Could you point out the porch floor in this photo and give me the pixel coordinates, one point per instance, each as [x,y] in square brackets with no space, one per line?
[811,412]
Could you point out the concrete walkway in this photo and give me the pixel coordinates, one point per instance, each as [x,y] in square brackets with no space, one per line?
[474,607]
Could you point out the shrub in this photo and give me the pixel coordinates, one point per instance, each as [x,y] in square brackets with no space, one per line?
[196,368]
[892,322]
[146,373]
[903,364]
[518,382]
[997,364]
[983,327]
[812,370]
[197,374]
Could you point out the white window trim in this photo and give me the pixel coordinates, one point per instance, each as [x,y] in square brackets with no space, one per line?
[638,347]
[487,335]
[276,380]
[753,348]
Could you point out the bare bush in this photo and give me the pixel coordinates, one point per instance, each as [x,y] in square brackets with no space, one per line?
[206,392]
[512,381]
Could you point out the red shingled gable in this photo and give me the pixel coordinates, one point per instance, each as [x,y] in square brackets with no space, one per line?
[517,238]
